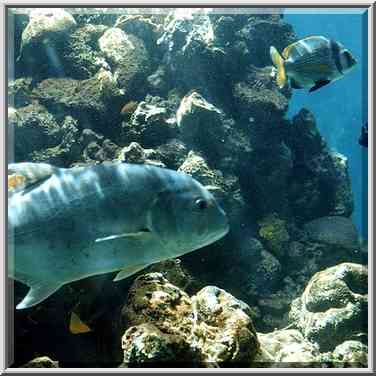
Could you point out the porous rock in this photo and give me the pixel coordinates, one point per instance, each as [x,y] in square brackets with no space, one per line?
[285,348]
[86,100]
[143,27]
[158,81]
[128,57]
[175,272]
[19,92]
[147,346]
[333,307]
[320,184]
[41,362]
[172,153]
[211,326]
[351,354]
[134,153]
[151,124]
[259,104]
[82,56]
[43,41]
[39,137]
[190,53]
[262,31]
[201,124]
[265,176]
[343,197]
[258,272]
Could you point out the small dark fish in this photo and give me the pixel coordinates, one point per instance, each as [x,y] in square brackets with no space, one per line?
[363,139]
[312,63]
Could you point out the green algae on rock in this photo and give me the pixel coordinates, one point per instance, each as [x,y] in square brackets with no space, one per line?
[273,231]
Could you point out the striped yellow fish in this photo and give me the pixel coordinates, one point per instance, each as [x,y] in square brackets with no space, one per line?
[312,62]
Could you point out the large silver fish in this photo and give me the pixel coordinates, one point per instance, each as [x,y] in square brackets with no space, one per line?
[312,63]
[68,224]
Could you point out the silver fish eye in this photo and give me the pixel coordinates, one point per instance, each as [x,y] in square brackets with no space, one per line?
[201,203]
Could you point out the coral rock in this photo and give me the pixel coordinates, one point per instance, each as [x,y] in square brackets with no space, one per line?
[351,354]
[212,327]
[201,124]
[42,362]
[146,345]
[43,40]
[260,105]
[151,124]
[134,153]
[343,197]
[285,346]
[190,52]
[82,57]
[333,307]
[19,92]
[39,137]
[129,57]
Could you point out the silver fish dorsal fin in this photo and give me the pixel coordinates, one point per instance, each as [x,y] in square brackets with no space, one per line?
[23,175]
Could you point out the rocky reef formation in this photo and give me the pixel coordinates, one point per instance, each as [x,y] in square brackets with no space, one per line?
[167,326]
[192,90]
[41,362]
[333,307]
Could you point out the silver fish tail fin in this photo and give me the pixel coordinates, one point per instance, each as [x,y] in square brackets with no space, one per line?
[279,63]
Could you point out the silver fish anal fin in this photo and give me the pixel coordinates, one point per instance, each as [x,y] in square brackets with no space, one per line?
[126,272]
[38,293]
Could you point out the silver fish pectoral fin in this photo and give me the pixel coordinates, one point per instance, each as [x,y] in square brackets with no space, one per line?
[126,272]
[37,293]
[140,234]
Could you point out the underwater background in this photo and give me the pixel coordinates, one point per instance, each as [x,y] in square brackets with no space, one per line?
[191,90]
[349,98]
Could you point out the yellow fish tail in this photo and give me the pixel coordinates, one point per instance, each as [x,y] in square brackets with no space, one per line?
[279,63]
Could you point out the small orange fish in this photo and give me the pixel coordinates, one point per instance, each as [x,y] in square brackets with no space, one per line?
[77,326]
[129,108]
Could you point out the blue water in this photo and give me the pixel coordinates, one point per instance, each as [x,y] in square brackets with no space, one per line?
[341,107]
